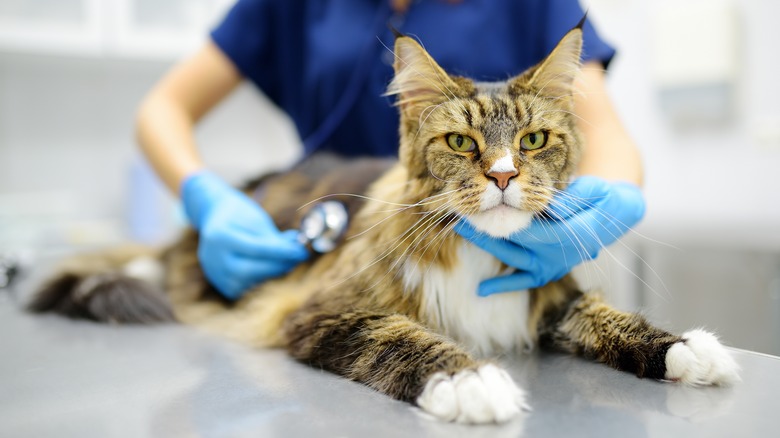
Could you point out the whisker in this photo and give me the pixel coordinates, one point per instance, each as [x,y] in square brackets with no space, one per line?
[398,242]
[401,210]
[425,229]
[614,221]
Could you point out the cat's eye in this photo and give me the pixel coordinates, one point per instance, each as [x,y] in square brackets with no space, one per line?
[461,143]
[533,141]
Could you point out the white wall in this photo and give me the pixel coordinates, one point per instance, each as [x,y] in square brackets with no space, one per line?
[716,183]
[710,244]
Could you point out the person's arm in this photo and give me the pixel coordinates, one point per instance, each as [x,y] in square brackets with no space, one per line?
[168,115]
[609,151]
[239,244]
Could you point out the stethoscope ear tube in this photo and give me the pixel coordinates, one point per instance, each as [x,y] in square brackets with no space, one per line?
[360,74]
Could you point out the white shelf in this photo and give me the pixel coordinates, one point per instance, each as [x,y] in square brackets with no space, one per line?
[156,29]
[61,26]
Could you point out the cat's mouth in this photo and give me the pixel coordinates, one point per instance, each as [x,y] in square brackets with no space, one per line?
[501,208]
[500,219]
[500,212]
[501,202]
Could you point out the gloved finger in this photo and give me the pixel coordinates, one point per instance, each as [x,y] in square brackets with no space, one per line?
[270,246]
[466,230]
[626,205]
[589,231]
[504,250]
[519,281]
[582,235]
[293,236]
[233,273]
[231,288]
[225,284]
[613,215]
[581,194]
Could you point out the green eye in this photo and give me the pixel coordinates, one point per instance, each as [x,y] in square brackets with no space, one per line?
[461,143]
[533,141]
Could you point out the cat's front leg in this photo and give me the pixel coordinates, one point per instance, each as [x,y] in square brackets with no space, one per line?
[628,342]
[405,360]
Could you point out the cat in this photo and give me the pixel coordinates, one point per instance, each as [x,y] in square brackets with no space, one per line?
[394,306]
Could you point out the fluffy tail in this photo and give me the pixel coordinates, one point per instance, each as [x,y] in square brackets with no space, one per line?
[124,285]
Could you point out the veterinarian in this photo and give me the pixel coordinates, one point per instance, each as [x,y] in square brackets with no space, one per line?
[327,65]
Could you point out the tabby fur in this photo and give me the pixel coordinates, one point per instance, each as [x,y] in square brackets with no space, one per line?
[394,306]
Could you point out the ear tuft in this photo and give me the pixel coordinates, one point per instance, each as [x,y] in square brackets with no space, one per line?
[581,24]
[419,82]
[396,33]
[555,75]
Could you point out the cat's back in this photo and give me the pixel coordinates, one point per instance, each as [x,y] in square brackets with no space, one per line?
[288,196]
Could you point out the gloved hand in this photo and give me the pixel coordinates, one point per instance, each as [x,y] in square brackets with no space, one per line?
[239,244]
[591,214]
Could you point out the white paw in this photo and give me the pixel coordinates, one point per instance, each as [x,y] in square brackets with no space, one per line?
[487,395]
[700,360]
[145,268]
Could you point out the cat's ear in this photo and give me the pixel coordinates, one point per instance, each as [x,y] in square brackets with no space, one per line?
[419,82]
[555,75]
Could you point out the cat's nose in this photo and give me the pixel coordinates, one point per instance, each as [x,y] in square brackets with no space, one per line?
[502,178]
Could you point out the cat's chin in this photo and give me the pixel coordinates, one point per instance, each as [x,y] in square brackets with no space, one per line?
[500,221]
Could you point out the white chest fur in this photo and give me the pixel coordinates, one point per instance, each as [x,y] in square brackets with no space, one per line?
[484,325]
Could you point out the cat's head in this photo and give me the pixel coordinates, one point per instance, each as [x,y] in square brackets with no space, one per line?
[493,153]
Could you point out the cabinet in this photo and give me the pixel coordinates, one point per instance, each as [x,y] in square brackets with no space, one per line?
[60,26]
[111,28]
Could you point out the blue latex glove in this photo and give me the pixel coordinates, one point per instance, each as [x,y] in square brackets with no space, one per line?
[589,215]
[239,244]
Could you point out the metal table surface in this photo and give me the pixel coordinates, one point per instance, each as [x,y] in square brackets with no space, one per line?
[62,378]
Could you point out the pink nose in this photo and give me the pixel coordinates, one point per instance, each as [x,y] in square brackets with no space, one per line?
[502,178]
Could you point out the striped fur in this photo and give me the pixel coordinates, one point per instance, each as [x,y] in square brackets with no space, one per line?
[394,306]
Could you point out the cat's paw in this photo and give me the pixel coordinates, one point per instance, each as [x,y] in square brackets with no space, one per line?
[487,395]
[700,360]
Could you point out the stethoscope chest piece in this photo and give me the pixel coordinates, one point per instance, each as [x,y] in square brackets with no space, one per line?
[324,225]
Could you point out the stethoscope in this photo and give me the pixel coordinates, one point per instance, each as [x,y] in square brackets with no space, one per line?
[326,223]
[384,17]
[323,226]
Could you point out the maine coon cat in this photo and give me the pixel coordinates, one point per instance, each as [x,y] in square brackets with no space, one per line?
[394,306]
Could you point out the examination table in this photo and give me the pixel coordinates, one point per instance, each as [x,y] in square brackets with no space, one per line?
[63,378]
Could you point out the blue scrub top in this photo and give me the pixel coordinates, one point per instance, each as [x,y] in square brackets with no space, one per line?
[328,62]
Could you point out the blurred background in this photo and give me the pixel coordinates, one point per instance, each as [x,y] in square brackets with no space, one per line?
[694,80]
